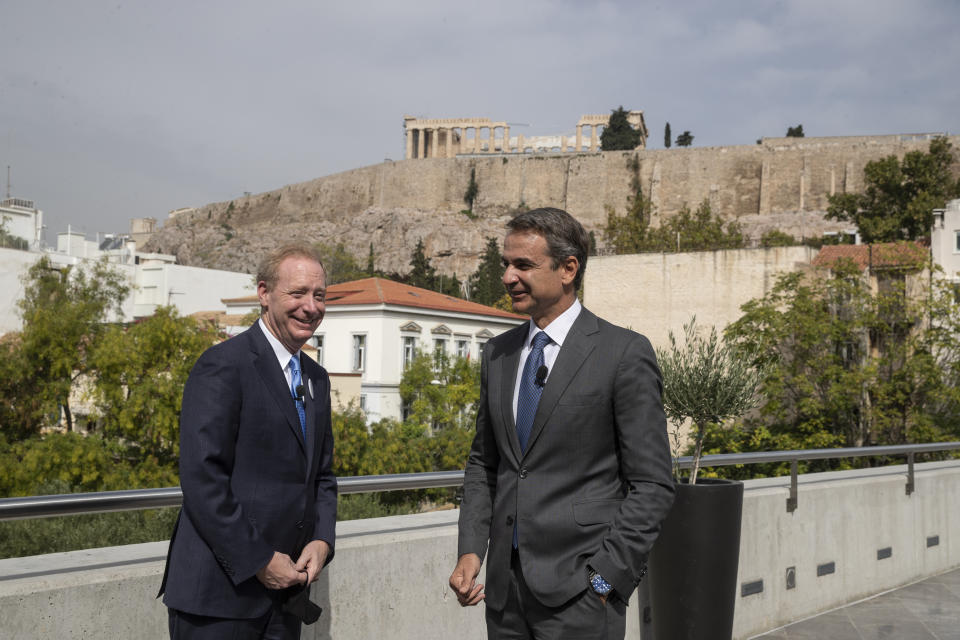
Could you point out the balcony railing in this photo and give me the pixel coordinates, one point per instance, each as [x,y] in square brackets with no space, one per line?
[106,501]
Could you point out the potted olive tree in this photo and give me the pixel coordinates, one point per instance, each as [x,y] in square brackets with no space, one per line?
[693,566]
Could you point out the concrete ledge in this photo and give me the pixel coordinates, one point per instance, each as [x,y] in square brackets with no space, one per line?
[389,578]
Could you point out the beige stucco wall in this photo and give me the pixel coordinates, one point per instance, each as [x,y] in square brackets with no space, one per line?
[654,293]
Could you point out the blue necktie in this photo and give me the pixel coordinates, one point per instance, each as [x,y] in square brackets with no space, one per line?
[296,381]
[528,398]
[529,395]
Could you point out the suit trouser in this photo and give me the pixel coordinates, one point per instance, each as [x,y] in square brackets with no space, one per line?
[273,625]
[585,616]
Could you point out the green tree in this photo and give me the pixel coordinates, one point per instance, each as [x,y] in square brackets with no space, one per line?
[422,273]
[705,381]
[339,264]
[899,198]
[371,270]
[698,230]
[486,283]
[64,310]
[795,132]
[667,138]
[440,391]
[777,238]
[618,135]
[850,368]
[473,190]
[139,373]
[685,139]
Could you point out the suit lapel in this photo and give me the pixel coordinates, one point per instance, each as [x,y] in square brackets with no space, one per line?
[273,379]
[576,347]
[503,372]
[310,401]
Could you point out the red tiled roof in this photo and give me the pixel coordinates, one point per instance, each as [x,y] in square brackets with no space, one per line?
[383,291]
[876,256]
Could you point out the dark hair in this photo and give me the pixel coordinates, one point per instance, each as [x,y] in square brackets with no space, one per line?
[564,235]
[267,271]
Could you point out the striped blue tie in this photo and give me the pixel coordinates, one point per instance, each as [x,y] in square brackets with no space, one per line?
[529,396]
[297,381]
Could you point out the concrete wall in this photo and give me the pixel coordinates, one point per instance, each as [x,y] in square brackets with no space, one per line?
[654,293]
[389,577]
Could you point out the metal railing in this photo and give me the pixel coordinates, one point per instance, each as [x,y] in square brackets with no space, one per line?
[106,501]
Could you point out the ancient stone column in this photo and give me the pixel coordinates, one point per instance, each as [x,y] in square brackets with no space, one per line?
[506,140]
[434,134]
[521,144]
[579,138]
[493,133]
[409,144]
[449,153]
[594,146]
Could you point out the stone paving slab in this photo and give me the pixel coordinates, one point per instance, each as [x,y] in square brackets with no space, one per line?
[925,610]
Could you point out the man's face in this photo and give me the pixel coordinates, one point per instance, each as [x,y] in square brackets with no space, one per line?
[535,287]
[295,305]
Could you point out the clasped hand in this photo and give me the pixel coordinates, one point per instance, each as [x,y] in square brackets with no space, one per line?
[282,572]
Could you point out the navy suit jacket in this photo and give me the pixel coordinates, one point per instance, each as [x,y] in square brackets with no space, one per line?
[595,481]
[252,484]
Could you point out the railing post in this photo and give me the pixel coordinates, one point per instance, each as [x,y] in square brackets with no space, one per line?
[910,485]
[792,500]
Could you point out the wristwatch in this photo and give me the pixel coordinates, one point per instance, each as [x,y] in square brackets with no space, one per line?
[599,585]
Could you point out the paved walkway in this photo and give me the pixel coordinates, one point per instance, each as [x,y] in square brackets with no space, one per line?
[927,610]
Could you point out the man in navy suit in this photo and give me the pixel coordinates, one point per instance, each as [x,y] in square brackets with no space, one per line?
[569,475]
[256,450]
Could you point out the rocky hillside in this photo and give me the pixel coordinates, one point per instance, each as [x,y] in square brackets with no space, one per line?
[781,184]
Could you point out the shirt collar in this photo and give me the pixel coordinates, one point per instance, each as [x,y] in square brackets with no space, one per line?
[283,356]
[559,328]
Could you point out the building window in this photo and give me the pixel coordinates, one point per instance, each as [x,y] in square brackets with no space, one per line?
[463,349]
[318,343]
[439,347]
[363,402]
[409,350]
[359,352]
[405,411]
[956,241]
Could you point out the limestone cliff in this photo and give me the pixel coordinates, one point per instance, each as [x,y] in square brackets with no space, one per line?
[782,183]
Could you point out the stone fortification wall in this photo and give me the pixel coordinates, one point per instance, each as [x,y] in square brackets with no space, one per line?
[763,185]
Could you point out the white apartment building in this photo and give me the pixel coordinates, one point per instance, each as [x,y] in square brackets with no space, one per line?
[373,326]
[155,279]
[22,219]
[945,239]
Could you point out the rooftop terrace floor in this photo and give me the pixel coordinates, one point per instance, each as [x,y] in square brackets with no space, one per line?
[925,610]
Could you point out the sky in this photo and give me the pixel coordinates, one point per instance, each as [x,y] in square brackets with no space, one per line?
[118,110]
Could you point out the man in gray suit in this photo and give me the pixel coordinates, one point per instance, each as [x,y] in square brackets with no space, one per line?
[569,475]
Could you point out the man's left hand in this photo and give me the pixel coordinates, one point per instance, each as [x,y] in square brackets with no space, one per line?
[312,559]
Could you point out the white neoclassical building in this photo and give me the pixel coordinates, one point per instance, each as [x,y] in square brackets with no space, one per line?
[373,326]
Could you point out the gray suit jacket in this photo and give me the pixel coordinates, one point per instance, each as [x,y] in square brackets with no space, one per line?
[595,482]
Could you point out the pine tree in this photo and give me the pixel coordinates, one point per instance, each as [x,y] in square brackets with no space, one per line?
[618,135]
[422,274]
[684,139]
[486,283]
[666,136]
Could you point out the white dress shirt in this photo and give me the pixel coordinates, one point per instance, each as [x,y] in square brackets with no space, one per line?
[557,330]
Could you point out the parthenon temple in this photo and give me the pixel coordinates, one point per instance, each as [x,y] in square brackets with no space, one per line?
[450,137]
